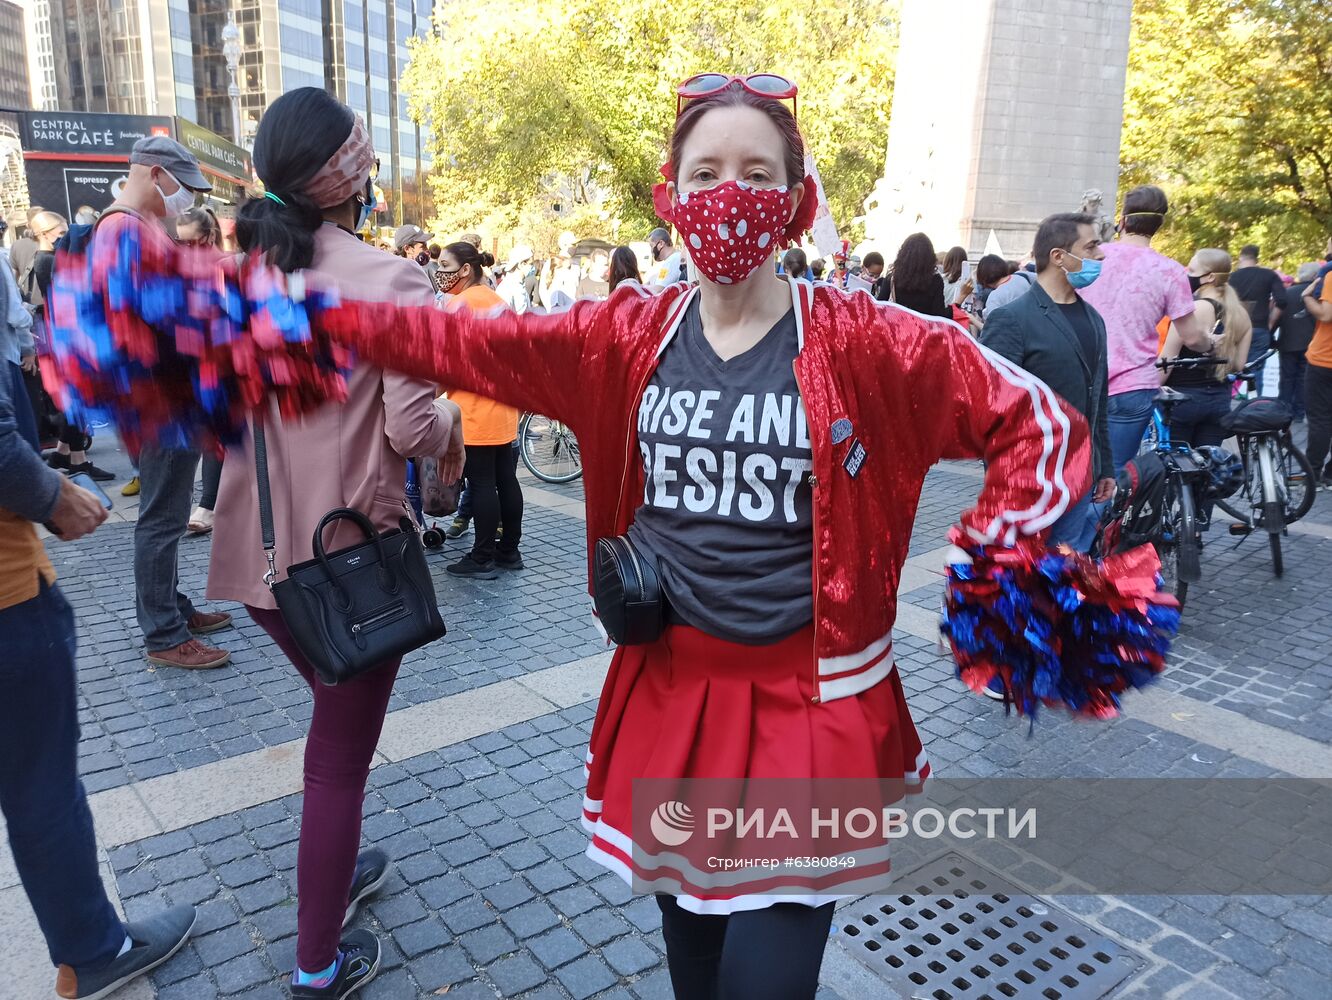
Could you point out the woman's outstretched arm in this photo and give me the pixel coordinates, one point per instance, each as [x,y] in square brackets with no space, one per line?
[529,361]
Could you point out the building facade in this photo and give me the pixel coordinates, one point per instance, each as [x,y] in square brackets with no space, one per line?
[15,89]
[1029,121]
[165,57]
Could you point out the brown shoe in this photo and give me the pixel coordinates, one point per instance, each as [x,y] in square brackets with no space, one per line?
[190,655]
[203,622]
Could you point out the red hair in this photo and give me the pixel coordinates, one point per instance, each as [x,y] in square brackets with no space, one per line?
[736,96]
[779,114]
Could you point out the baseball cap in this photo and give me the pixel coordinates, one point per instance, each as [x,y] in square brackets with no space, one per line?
[171,156]
[408,234]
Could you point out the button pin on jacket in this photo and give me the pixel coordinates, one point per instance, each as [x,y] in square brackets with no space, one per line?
[855,459]
[841,430]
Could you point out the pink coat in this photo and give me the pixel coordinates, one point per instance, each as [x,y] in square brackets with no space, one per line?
[350,454]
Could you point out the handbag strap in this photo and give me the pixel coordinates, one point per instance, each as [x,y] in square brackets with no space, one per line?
[265,501]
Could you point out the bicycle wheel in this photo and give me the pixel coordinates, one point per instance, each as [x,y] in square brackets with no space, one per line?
[1296,473]
[1274,498]
[1179,548]
[549,449]
[1190,543]
[1247,504]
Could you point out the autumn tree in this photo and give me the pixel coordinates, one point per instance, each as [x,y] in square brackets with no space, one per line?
[1229,108]
[554,112]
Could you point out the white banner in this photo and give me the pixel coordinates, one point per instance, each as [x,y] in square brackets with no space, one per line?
[824,229]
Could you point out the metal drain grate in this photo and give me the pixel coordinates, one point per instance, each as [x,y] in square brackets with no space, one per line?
[960,933]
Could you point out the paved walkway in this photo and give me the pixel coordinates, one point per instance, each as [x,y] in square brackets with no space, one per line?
[195,778]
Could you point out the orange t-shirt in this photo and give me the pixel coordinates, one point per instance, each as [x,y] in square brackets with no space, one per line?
[485,422]
[1320,348]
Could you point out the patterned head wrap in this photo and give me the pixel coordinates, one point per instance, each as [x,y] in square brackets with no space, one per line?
[346,170]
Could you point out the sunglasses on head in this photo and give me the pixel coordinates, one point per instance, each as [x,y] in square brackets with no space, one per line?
[769,85]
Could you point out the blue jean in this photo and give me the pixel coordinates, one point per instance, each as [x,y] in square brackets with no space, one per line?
[166,483]
[1291,390]
[50,827]
[1128,415]
[23,416]
[1260,344]
[1077,527]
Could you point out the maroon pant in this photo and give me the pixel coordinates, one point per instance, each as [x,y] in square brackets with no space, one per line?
[344,732]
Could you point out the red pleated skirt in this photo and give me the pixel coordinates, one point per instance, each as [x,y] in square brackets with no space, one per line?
[694,706]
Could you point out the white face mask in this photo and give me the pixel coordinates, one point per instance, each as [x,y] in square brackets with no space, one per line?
[179,201]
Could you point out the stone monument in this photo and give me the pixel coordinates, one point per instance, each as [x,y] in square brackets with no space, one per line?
[1004,111]
[1093,203]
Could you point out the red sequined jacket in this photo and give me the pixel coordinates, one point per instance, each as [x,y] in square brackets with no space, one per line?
[887,392]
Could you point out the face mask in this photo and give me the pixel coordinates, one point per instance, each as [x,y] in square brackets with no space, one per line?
[731,229]
[423,258]
[1085,275]
[365,207]
[1195,282]
[447,279]
[178,201]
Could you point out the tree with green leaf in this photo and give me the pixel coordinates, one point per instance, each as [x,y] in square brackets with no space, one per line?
[554,114]
[1229,108]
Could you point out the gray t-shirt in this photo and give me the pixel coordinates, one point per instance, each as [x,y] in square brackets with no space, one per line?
[728,510]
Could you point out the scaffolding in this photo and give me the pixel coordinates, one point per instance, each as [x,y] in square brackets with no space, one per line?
[13,179]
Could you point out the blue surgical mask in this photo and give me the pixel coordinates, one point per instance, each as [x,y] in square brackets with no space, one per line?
[365,208]
[1086,274]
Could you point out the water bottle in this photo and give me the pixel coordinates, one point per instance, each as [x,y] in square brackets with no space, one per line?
[414,491]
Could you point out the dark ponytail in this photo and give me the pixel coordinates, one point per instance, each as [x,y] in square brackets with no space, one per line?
[465,253]
[298,134]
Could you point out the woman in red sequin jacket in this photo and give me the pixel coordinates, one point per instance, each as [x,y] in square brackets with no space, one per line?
[909,390]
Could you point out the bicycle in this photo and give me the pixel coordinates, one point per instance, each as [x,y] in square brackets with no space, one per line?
[1179,538]
[1279,481]
[549,449]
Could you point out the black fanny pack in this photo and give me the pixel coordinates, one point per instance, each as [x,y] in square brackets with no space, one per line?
[627,592]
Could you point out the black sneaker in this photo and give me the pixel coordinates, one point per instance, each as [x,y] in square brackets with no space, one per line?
[474,568]
[153,941]
[88,469]
[371,874]
[358,962]
[57,461]
[509,560]
[458,528]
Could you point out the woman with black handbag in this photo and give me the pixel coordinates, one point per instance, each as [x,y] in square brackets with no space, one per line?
[315,160]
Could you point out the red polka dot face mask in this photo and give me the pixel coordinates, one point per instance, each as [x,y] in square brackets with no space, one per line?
[731,229]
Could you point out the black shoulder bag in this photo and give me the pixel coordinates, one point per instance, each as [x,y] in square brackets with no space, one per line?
[352,609]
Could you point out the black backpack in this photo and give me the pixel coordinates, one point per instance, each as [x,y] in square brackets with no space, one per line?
[1135,517]
[1253,416]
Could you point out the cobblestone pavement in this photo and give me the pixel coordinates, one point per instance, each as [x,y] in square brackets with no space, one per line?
[491,895]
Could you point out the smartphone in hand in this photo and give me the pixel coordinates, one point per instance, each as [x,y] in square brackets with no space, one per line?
[92,486]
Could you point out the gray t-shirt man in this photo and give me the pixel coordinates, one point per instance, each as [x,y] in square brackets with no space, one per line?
[727,510]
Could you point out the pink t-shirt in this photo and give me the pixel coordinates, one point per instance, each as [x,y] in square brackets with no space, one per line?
[1136,288]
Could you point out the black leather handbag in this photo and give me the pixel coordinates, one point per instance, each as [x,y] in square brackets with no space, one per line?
[627,593]
[352,609]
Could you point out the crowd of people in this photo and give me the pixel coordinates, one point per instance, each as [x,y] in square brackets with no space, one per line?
[743,405]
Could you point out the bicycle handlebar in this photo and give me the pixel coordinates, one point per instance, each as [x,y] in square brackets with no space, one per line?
[1165,364]
[1250,374]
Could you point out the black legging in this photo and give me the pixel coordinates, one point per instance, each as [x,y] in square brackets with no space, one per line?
[1318,407]
[773,953]
[492,477]
[212,478]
